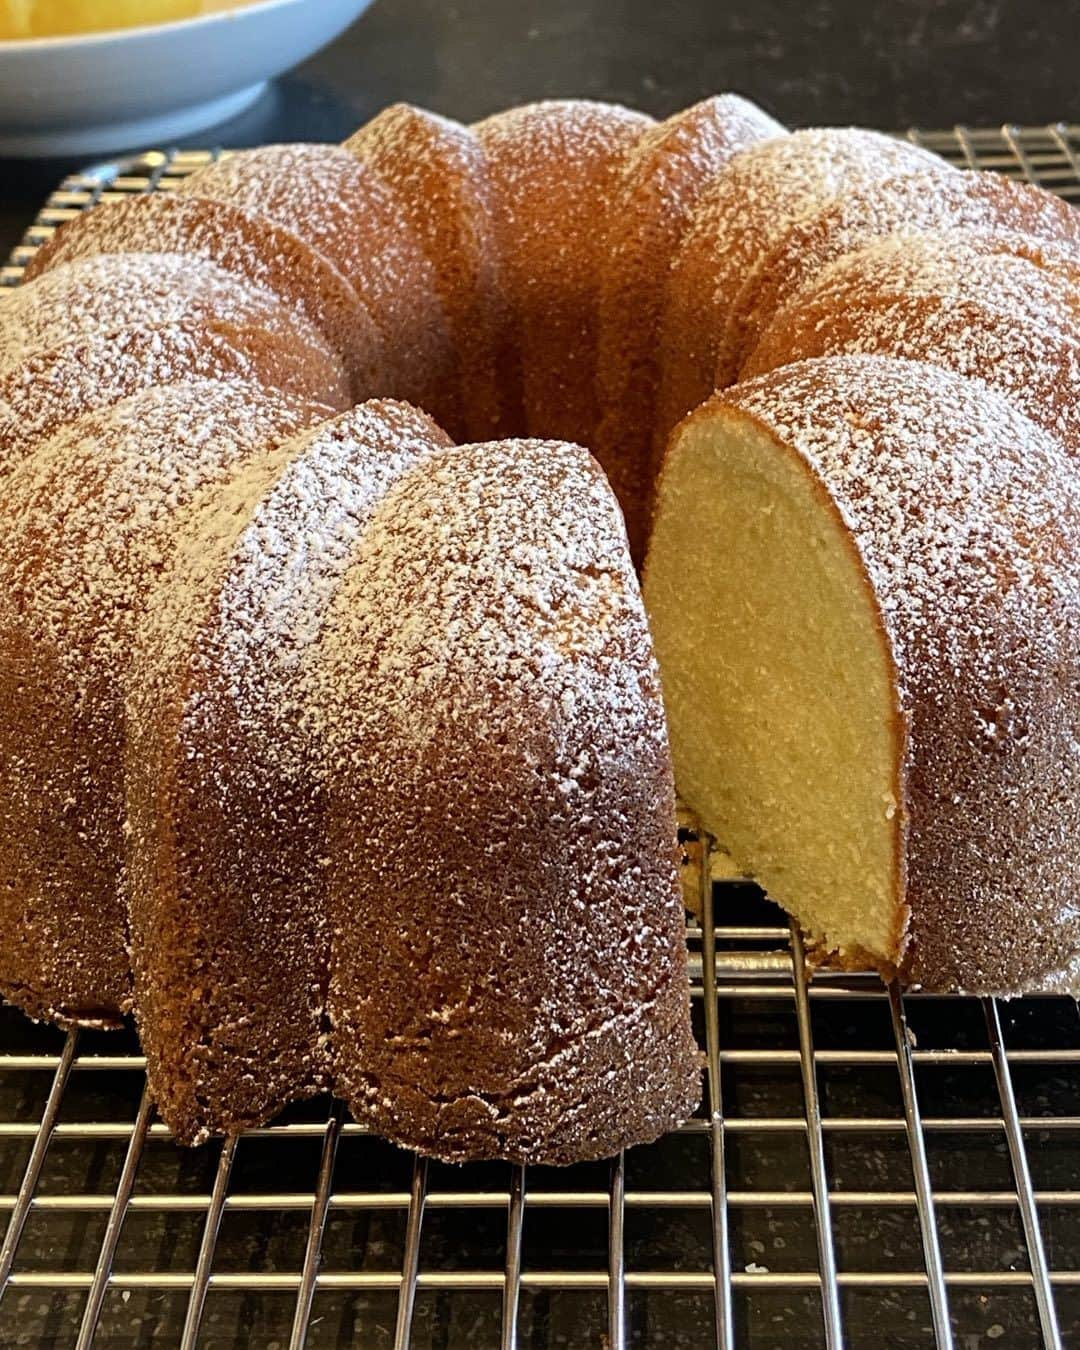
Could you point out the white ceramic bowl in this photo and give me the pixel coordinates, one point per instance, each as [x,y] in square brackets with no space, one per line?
[134,87]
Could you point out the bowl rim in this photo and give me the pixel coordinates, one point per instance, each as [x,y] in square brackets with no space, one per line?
[106,35]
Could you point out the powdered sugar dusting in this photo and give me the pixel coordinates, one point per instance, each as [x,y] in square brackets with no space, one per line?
[284,566]
[914,201]
[401,134]
[487,692]
[995,306]
[1014,273]
[253,248]
[230,896]
[527,135]
[50,389]
[298,546]
[329,197]
[527,602]
[107,292]
[677,154]
[665,173]
[749,205]
[435,168]
[103,493]
[776,182]
[555,169]
[88,528]
[320,192]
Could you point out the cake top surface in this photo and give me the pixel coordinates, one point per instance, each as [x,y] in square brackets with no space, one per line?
[171,222]
[297,178]
[771,184]
[95,504]
[542,599]
[693,137]
[328,196]
[987,304]
[252,247]
[925,199]
[414,149]
[50,389]
[559,160]
[672,162]
[1012,272]
[578,124]
[685,150]
[107,292]
[260,558]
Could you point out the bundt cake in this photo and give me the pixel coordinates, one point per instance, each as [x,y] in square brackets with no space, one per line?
[335,751]
[910,203]
[105,293]
[88,522]
[252,247]
[872,683]
[277,771]
[554,170]
[46,391]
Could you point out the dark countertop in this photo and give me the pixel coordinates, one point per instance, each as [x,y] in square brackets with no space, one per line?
[884,63]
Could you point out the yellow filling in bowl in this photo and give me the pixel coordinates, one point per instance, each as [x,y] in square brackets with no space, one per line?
[59,18]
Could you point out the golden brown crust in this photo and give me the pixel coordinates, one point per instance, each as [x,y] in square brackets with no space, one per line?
[340,206]
[88,527]
[226,876]
[762,192]
[504,752]
[999,307]
[661,182]
[554,169]
[50,389]
[435,169]
[917,201]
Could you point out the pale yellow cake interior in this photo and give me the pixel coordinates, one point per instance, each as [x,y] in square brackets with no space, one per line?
[778,681]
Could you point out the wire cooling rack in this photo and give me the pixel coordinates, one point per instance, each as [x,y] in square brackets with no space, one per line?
[867,1169]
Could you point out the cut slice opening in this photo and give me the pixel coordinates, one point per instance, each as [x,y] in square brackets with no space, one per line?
[779,682]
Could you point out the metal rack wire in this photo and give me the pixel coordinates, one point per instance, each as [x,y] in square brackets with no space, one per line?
[868,1167]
